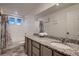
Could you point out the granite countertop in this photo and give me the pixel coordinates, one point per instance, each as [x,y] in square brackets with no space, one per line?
[74,51]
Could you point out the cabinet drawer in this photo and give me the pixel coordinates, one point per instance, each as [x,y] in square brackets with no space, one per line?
[35,51]
[35,44]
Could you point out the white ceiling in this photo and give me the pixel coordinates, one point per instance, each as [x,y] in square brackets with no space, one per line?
[54,9]
[24,8]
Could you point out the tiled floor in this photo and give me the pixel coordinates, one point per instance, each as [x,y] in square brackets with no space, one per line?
[17,51]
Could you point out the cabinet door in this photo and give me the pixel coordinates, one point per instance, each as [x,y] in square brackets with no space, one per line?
[45,51]
[29,47]
[35,51]
[25,45]
[36,48]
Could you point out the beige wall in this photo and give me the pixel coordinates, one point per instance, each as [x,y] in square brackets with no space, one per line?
[63,21]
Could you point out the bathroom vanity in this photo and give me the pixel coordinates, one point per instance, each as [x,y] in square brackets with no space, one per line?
[42,46]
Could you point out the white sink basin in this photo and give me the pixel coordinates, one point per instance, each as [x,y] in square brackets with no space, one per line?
[60,45]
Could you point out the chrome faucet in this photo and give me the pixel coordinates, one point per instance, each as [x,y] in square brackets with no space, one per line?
[64,40]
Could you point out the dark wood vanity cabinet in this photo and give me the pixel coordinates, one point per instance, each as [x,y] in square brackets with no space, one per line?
[33,48]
